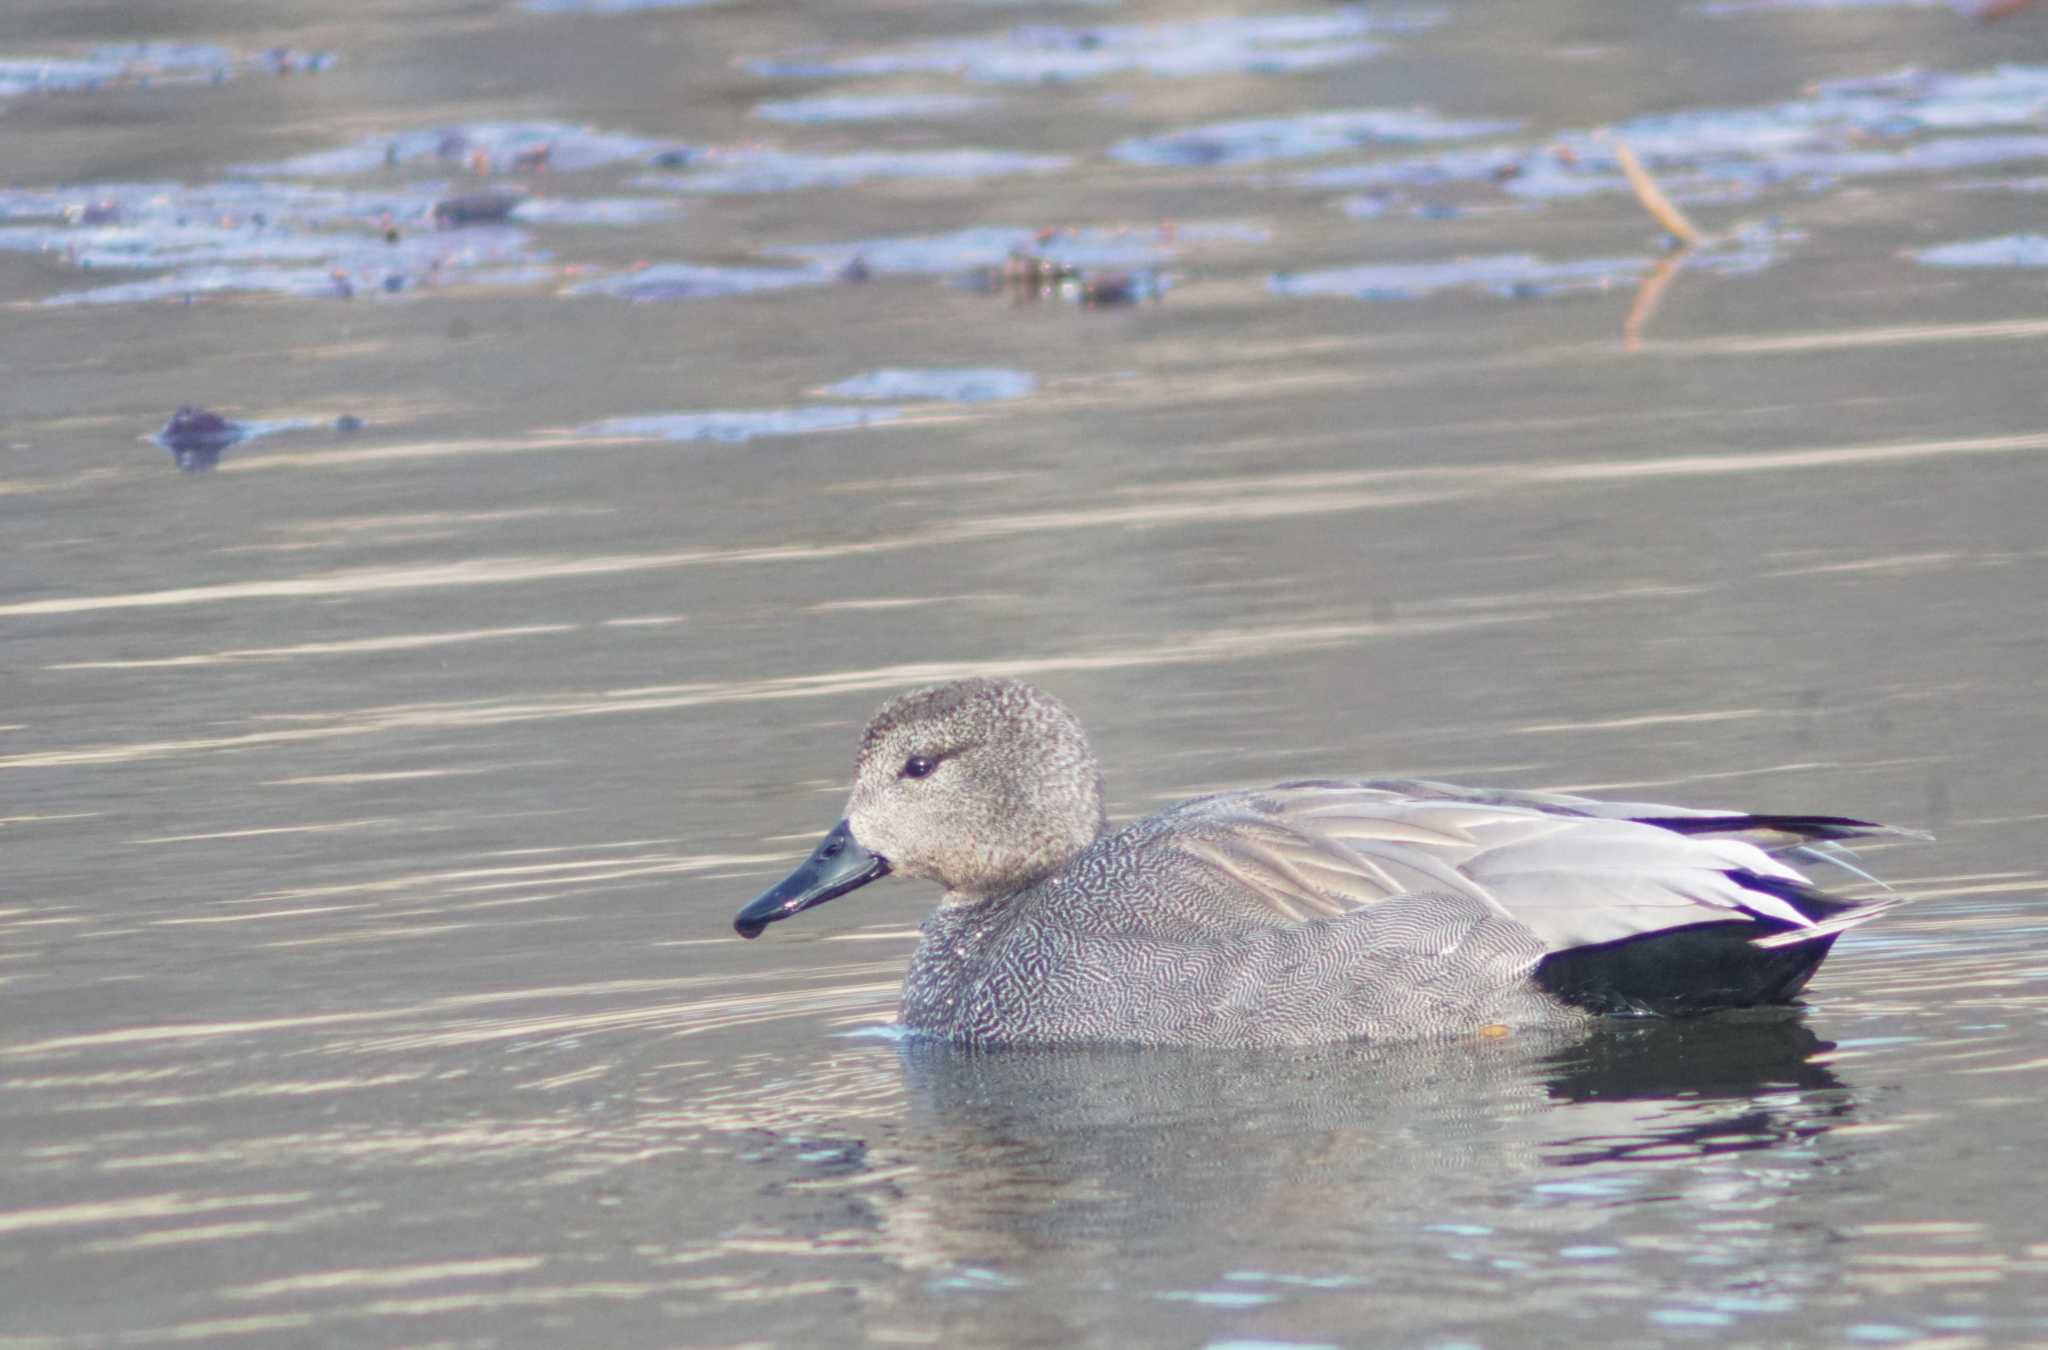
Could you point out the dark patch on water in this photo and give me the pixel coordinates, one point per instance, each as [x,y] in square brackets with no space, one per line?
[1043,53]
[1030,277]
[196,437]
[869,108]
[1298,137]
[734,427]
[760,170]
[951,386]
[476,208]
[2009,250]
[691,281]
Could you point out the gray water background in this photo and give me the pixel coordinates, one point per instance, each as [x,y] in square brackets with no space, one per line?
[374,806]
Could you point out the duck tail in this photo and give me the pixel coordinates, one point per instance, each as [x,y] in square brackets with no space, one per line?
[1825,916]
[1805,838]
[1834,924]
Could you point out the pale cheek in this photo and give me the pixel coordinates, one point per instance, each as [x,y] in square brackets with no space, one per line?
[886,827]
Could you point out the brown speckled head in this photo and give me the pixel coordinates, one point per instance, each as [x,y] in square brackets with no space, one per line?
[983,785]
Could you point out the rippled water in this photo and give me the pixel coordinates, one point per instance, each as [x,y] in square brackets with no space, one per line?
[625,397]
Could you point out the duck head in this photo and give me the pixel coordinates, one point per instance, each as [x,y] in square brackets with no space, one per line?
[984,786]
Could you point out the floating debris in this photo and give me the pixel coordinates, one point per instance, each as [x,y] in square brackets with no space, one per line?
[196,436]
[951,386]
[752,170]
[869,108]
[1653,199]
[732,427]
[1104,289]
[1042,53]
[2007,250]
[1028,277]
[1299,137]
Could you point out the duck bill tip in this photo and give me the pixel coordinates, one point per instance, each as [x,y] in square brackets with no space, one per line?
[838,864]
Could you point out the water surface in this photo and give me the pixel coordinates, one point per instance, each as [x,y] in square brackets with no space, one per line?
[647,390]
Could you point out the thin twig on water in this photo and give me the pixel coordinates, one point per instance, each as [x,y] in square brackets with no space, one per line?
[1653,199]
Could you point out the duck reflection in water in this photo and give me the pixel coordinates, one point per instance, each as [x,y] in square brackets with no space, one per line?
[1042,1163]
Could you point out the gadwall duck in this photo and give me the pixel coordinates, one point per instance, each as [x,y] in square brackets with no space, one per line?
[1303,913]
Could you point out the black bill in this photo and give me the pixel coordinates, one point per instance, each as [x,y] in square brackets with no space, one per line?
[838,865]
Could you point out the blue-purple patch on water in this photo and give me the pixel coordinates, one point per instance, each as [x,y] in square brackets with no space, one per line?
[231,204]
[1518,275]
[478,147]
[144,63]
[208,260]
[1909,121]
[739,426]
[869,108]
[243,206]
[1303,135]
[747,171]
[1725,7]
[298,239]
[596,210]
[989,245]
[691,281]
[1503,274]
[1042,53]
[612,6]
[951,386]
[2006,250]
[2037,183]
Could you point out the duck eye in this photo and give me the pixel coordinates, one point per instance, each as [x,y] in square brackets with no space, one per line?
[917,766]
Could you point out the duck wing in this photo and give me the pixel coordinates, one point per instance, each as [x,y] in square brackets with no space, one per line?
[1578,872]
